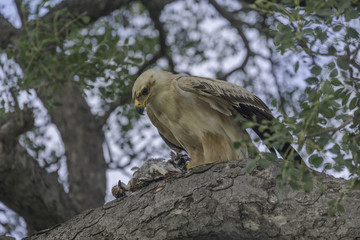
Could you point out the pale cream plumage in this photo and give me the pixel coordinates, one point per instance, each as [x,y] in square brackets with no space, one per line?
[197,114]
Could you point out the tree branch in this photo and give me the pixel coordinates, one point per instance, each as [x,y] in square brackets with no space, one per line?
[218,201]
[83,139]
[25,187]
[237,24]
[154,9]
[327,130]
[240,67]
[93,9]
[22,14]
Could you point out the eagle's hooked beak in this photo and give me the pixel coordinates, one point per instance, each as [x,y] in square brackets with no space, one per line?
[139,107]
[140,110]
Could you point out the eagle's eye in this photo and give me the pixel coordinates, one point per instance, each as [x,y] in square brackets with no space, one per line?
[145,92]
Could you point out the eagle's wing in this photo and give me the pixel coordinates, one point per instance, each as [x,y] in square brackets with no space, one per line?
[226,97]
[216,92]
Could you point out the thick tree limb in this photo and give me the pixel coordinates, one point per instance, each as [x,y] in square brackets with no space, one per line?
[83,139]
[218,202]
[94,9]
[25,187]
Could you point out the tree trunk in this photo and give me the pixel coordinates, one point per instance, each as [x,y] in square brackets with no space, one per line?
[83,139]
[219,201]
[25,187]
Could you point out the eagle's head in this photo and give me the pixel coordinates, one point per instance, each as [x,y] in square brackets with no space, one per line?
[146,87]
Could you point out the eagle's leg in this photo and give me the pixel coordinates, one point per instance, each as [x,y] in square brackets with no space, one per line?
[217,148]
[197,158]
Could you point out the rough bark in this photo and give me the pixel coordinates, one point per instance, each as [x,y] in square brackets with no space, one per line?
[25,187]
[218,202]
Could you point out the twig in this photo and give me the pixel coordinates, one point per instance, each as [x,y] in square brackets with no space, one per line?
[237,24]
[333,129]
[240,67]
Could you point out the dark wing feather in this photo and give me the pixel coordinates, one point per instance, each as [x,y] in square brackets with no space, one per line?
[171,145]
[245,103]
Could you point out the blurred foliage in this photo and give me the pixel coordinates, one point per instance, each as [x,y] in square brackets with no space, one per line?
[326,34]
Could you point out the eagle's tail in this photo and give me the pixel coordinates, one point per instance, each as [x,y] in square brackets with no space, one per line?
[286,151]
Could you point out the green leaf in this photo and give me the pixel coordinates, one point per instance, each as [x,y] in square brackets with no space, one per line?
[316,70]
[248,125]
[236,145]
[331,50]
[351,33]
[337,28]
[250,166]
[335,82]
[264,163]
[343,4]
[316,161]
[334,73]
[335,149]
[309,148]
[331,65]
[351,13]
[331,203]
[327,88]
[312,80]
[325,12]
[340,207]
[85,19]
[296,66]
[327,112]
[345,99]
[294,185]
[308,186]
[342,63]
[353,103]
[270,156]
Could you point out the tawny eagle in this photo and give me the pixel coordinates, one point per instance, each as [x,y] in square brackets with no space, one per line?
[198,115]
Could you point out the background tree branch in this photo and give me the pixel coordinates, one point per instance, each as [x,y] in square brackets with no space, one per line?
[38,197]
[83,139]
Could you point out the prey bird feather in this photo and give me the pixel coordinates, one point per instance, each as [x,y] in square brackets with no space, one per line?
[198,115]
